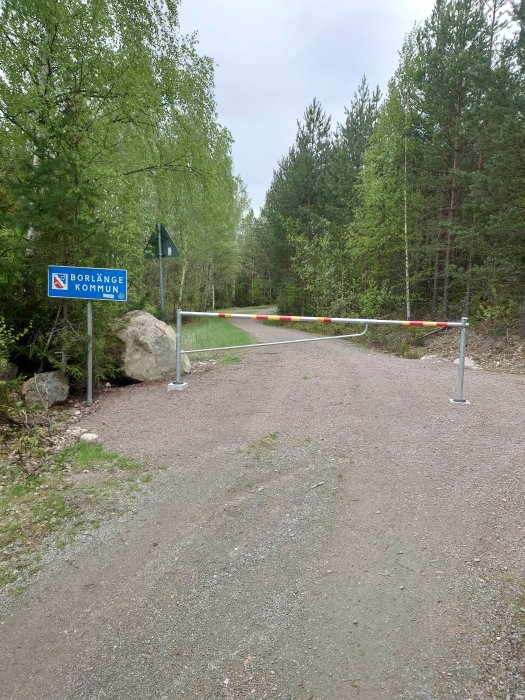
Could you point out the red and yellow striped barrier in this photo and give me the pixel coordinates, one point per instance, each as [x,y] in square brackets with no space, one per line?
[463,325]
[273,317]
[326,319]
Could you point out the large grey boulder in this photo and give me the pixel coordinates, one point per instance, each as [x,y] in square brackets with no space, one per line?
[149,347]
[46,389]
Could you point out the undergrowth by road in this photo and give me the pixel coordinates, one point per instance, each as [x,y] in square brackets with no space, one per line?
[51,482]
[205,332]
[408,343]
[504,352]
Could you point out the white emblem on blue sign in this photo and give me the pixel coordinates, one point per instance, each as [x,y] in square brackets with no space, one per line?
[59,281]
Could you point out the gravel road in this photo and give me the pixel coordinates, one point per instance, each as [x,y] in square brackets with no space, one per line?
[328,527]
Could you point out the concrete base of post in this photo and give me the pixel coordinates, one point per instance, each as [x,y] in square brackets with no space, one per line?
[174,386]
[462,402]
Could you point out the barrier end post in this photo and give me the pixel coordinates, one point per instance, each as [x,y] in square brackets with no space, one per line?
[461,367]
[178,385]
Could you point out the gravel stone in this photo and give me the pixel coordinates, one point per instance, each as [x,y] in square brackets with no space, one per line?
[411,484]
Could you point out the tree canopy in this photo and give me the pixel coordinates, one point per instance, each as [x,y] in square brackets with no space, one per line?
[107,126]
[413,205]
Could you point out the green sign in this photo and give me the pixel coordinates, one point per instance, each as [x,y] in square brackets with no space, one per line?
[168,249]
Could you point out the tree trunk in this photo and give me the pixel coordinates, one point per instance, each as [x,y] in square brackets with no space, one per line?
[45,72]
[65,302]
[184,270]
[451,213]
[50,337]
[522,320]
[208,287]
[468,294]
[435,286]
[405,217]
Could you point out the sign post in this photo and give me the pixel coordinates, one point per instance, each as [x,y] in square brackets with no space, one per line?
[161,272]
[161,245]
[90,283]
[89,352]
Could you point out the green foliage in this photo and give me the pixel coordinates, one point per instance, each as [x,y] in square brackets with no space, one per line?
[373,300]
[107,127]
[413,207]
[8,339]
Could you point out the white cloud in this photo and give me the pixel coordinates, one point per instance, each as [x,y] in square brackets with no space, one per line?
[274,56]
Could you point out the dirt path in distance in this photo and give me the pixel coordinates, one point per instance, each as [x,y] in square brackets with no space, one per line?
[322,532]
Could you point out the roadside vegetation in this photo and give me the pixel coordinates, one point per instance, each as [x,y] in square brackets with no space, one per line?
[51,483]
[212,333]
[408,343]
[87,171]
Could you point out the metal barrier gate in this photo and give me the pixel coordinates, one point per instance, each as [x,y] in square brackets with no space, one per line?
[463,325]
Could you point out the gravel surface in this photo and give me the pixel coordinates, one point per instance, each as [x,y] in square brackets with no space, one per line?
[328,527]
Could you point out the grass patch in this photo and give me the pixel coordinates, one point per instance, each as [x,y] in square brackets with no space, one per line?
[91,455]
[58,492]
[263,445]
[405,342]
[230,360]
[213,333]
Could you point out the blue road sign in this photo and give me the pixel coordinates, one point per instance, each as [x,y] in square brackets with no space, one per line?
[87,283]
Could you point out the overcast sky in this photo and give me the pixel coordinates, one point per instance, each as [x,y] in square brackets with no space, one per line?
[274,56]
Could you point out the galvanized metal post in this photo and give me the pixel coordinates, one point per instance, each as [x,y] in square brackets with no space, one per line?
[161,272]
[89,352]
[461,367]
[178,384]
[179,347]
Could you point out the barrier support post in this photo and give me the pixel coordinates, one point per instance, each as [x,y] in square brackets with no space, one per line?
[461,367]
[178,385]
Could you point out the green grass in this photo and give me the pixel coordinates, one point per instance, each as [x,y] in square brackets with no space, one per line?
[91,455]
[213,333]
[231,360]
[66,492]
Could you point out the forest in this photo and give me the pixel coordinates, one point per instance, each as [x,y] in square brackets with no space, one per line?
[414,206]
